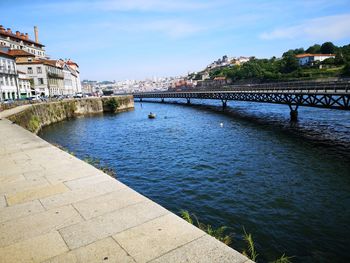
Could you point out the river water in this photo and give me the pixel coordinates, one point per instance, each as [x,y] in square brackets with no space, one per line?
[286,184]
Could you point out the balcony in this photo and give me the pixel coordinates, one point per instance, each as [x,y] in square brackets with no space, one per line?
[55,75]
[4,70]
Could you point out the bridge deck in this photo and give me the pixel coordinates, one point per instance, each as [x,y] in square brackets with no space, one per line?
[324,95]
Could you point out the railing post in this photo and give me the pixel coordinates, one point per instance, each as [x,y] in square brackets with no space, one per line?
[188,101]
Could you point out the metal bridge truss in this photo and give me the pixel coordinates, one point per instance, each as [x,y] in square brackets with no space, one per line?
[335,100]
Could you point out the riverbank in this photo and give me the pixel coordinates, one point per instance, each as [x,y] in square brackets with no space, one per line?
[57,208]
[34,117]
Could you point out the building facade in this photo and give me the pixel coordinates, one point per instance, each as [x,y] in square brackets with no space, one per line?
[310,59]
[22,41]
[51,77]
[24,86]
[8,77]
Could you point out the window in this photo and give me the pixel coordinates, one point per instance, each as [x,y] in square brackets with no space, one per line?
[38,69]
[41,81]
[30,70]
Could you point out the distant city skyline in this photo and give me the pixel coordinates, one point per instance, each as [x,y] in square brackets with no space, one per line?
[135,39]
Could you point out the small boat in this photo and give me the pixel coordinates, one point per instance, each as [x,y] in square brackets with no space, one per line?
[151,115]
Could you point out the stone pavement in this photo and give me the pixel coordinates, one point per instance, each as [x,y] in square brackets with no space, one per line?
[57,208]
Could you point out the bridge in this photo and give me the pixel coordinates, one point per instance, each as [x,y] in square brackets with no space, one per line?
[320,94]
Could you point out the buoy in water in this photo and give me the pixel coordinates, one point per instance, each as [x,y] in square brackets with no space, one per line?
[221,124]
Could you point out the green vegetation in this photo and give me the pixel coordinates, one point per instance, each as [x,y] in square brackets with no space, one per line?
[220,234]
[252,254]
[34,123]
[287,68]
[103,167]
[92,161]
[112,104]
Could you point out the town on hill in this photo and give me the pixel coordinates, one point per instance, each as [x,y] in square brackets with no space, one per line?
[317,61]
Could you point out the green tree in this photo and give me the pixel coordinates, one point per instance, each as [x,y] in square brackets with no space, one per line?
[328,48]
[316,48]
[346,69]
[289,64]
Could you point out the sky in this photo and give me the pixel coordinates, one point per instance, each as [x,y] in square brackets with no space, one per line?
[138,39]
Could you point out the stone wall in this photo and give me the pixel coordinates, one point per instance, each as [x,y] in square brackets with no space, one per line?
[40,115]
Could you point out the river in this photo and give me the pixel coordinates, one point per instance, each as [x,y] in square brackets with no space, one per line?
[286,184]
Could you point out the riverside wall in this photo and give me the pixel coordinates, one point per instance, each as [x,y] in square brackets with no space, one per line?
[39,115]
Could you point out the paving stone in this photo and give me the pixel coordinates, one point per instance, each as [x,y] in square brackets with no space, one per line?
[81,194]
[105,250]
[35,193]
[106,225]
[87,181]
[2,201]
[23,185]
[11,178]
[157,237]
[13,169]
[37,224]
[100,205]
[32,250]
[30,175]
[16,211]
[203,250]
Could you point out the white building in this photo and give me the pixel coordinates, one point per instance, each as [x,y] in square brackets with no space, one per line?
[24,86]
[75,72]
[8,77]
[21,41]
[309,59]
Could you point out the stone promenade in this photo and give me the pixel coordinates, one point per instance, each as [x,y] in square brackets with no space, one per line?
[57,208]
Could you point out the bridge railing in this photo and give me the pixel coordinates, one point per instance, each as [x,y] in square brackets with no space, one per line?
[338,86]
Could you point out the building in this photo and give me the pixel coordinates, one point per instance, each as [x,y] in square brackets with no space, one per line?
[8,77]
[309,59]
[75,75]
[22,41]
[47,75]
[24,86]
[52,77]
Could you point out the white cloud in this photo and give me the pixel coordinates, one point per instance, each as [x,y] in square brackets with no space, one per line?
[324,28]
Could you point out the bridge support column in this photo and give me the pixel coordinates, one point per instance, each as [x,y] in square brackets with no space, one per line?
[293,113]
[162,100]
[188,101]
[140,99]
[224,104]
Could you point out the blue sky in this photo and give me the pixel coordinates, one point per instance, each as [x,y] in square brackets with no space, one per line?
[135,39]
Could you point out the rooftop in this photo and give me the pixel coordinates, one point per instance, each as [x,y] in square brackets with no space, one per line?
[19,36]
[314,55]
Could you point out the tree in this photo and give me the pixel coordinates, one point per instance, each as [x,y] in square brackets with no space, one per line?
[289,63]
[328,48]
[346,69]
[316,48]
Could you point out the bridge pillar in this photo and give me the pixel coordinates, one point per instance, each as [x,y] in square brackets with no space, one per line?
[293,113]
[140,99]
[162,100]
[224,104]
[188,101]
